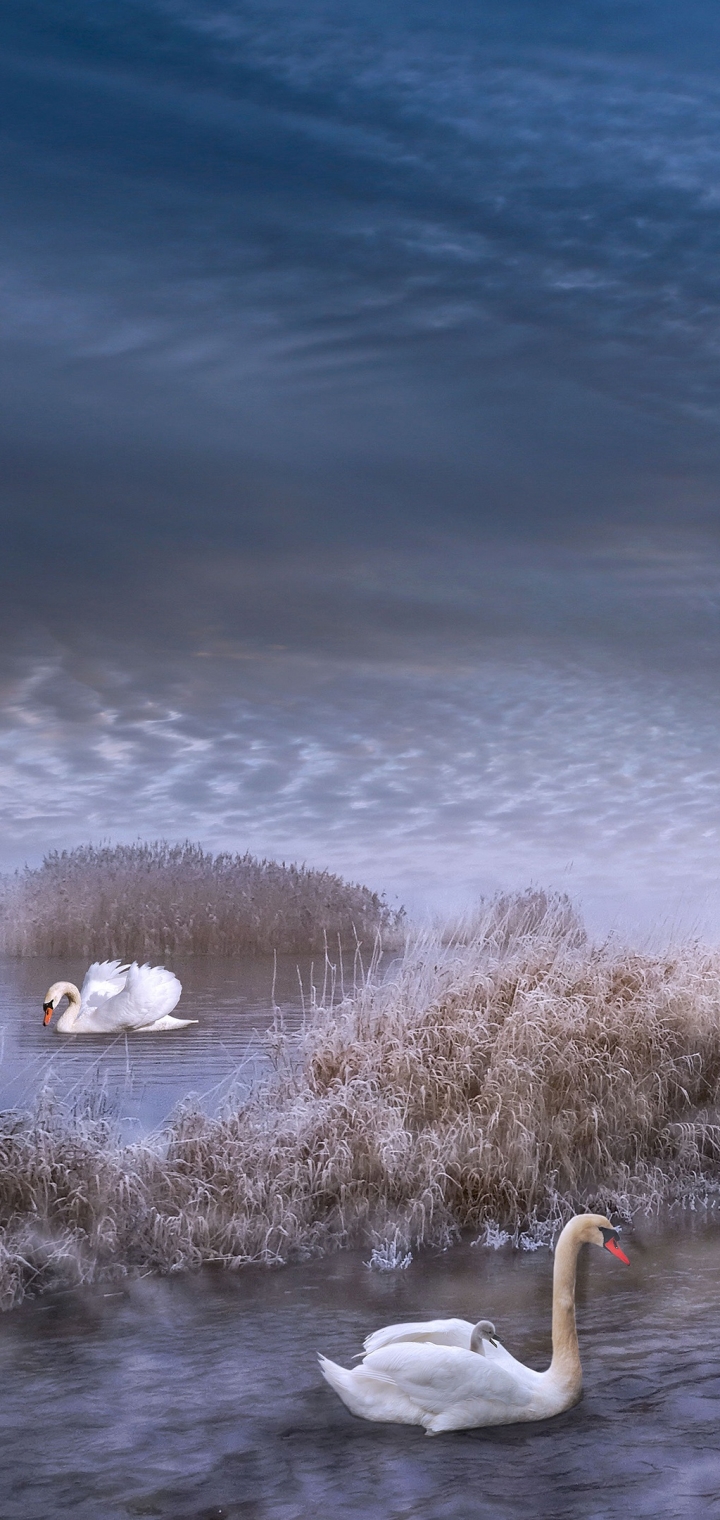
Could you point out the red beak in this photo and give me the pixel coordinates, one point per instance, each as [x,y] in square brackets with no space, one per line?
[613,1247]
[47,1015]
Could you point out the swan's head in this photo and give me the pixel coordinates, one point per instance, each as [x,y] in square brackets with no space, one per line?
[484,1330]
[51,999]
[596,1230]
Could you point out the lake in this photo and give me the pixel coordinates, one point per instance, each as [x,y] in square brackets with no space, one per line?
[199,1398]
[144,1076]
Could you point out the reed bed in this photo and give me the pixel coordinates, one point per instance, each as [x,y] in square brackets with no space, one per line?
[148,901]
[495,1083]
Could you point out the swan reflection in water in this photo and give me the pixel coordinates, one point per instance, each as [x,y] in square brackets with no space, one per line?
[116,998]
[453,1375]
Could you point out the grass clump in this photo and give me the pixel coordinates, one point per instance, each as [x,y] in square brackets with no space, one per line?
[494,1083]
[147,901]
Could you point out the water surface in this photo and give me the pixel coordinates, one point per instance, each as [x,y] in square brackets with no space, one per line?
[199,1398]
[142,1076]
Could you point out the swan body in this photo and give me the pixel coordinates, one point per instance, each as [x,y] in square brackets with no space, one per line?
[116,998]
[430,1373]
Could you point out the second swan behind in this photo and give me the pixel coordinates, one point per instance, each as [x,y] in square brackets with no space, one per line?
[114,998]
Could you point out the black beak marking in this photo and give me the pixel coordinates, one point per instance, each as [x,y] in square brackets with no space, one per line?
[612,1244]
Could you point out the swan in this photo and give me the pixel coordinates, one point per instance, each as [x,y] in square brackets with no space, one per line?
[430,1373]
[115,997]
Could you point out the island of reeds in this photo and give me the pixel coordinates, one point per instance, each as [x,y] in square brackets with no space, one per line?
[151,901]
[493,1081]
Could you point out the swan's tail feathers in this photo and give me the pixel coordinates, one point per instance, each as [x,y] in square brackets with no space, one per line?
[339,1378]
[168,1022]
[353,1385]
[372,1395]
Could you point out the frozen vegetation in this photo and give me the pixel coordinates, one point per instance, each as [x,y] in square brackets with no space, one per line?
[148,901]
[492,1083]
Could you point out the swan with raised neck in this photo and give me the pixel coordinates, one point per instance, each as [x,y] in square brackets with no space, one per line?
[565,1367]
[430,1374]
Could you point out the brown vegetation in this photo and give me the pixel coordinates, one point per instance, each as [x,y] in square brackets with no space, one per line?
[495,1084]
[148,901]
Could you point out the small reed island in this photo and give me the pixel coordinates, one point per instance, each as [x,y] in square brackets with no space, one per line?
[497,1079]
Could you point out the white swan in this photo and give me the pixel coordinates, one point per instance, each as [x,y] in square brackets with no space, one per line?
[430,1373]
[115,998]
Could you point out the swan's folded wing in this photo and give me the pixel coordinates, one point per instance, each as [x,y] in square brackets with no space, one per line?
[150,993]
[440,1332]
[439,1377]
[102,980]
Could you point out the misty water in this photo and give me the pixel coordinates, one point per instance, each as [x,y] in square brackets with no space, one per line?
[199,1397]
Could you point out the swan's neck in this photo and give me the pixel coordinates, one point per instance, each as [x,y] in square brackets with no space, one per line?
[565,1365]
[69,1017]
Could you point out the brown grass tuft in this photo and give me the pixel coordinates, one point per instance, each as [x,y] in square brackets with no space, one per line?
[492,1084]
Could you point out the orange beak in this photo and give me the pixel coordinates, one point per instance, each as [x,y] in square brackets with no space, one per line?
[614,1249]
[47,1014]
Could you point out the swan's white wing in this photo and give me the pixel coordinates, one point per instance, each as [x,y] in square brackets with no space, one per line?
[438,1378]
[441,1332]
[102,980]
[150,993]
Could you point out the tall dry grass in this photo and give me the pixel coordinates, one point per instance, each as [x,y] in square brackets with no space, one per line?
[495,1083]
[147,901]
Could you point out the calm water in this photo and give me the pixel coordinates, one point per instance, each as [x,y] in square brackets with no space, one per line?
[200,1399]
[145,1075]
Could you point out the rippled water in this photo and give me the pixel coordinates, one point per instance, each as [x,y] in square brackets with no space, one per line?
[200,1397]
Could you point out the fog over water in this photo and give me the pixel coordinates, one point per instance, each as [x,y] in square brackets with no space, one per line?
[360,441]
[200,1398]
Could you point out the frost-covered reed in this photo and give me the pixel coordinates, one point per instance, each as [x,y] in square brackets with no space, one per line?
[148,901]
[494,1083]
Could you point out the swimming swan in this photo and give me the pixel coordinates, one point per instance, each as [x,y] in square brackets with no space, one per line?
[430,1374]
[115,998]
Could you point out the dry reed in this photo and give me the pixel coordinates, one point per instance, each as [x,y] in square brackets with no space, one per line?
[494,1083]
[148,901]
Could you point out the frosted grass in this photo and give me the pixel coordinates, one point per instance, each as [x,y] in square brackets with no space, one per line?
[492,1083]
